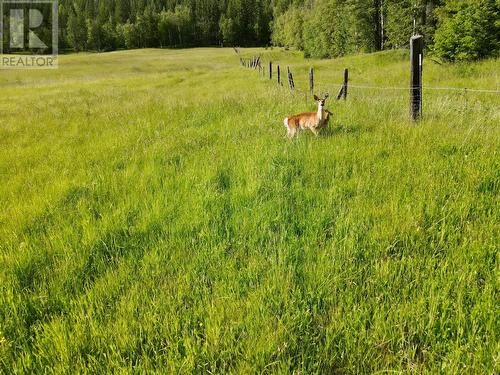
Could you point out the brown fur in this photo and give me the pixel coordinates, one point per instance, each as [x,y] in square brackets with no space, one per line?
[307,120]
[326,121]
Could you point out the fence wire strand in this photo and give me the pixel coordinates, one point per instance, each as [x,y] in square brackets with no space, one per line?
[297,90]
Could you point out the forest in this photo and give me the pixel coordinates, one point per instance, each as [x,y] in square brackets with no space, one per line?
[454,29]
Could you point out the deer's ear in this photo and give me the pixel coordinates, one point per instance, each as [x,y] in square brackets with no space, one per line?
[316,98]
[327,95]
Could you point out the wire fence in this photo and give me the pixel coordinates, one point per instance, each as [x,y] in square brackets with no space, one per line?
[397,101]
[445,108]
[256,63]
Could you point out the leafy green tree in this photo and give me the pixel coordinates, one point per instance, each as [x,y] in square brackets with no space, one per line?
[400,22]
[147,27]
[228,30]
[131,35]
[468,30]
[76,30]
[289,28]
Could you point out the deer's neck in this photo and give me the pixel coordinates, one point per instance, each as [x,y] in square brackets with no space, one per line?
[320,112]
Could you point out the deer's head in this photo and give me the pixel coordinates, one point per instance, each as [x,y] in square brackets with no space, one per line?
[321,101]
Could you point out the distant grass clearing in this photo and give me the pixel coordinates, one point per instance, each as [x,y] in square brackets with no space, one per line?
[154,217]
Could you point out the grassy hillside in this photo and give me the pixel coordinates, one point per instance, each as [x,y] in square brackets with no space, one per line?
[154,217]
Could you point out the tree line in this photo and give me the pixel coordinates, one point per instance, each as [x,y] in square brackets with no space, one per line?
[453,29]
[105,25]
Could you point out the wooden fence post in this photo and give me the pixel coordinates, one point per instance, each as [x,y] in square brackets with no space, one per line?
[311,81]
[346,83]
[343,90]
[416,59]
[279,75]
[290,79]
[270,70]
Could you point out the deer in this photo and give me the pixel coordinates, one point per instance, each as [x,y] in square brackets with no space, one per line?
[325,122]
[313,121]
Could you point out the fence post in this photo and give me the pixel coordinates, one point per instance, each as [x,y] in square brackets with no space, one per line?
[311,81]
[279,75]
[346,83]
[416,59]
[270,70]
[290,78]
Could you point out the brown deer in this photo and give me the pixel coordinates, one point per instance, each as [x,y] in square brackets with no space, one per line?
[313,121]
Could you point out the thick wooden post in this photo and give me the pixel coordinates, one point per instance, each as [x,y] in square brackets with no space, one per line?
[346,83]
[311,81]
[270,70]
[416,60]
[279,75]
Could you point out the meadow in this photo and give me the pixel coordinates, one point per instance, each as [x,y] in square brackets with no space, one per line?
[155,218]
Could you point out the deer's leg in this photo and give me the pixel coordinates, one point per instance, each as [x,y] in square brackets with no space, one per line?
[315,131]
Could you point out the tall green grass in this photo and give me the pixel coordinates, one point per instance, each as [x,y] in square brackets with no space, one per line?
[155,218]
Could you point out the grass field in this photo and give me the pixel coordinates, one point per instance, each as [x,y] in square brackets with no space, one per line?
[155,218]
